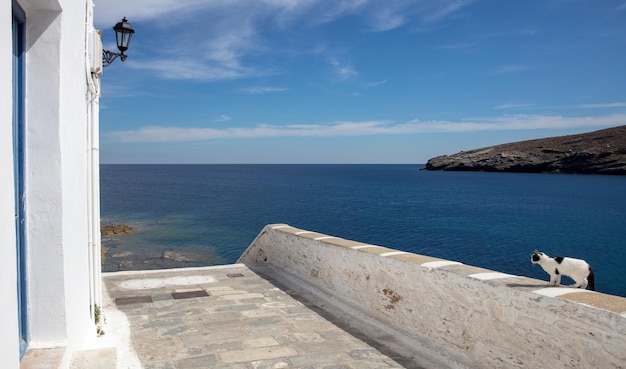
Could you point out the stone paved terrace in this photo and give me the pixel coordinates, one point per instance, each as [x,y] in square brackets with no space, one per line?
[234,317]
[301,299]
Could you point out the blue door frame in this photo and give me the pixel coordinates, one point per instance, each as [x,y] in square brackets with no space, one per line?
[19,18]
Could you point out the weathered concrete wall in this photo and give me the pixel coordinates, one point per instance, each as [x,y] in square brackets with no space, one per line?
[489,319]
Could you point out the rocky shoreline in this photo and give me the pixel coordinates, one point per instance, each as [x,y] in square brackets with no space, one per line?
[599,152]
[109,229]
[120,253]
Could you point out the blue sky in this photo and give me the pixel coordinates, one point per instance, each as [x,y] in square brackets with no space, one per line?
[355,81]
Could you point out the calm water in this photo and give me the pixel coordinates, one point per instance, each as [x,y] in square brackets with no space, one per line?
[188,215]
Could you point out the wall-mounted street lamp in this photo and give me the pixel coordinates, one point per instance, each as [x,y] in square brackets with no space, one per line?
[123,33]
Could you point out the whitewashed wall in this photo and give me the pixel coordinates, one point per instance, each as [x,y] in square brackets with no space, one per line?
[9,348]
[56,180]
[74,156]
[475,318]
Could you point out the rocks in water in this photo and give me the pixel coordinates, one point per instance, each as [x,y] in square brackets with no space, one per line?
[139,252]
[178,256]
[110,229]
[122,254]
[599,152]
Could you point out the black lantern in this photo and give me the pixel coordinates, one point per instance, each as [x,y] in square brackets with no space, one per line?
[123,33]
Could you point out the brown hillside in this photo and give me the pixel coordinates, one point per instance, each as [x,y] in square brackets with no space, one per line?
[599,152]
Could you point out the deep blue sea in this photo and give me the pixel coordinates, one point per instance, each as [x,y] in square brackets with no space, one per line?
[191,215]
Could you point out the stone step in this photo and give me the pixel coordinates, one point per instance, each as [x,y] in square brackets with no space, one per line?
[95,359]
[42,358]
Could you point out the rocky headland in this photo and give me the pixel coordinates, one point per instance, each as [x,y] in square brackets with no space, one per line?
[599,152]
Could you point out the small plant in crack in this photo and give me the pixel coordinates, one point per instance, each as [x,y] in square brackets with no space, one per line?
[99,320]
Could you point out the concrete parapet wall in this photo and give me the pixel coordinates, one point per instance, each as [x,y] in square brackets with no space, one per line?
[486,318]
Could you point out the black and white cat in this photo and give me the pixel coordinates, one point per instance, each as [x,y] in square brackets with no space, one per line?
[577,269]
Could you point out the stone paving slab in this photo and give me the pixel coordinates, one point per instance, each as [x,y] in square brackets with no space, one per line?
[42,359]
[95,359]
[231,317]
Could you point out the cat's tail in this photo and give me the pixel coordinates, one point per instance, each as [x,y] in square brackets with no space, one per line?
[591,280]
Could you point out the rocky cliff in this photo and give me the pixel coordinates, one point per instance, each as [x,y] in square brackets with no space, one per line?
[599,152]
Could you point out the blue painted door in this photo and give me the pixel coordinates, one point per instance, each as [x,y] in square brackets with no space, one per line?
[18,163]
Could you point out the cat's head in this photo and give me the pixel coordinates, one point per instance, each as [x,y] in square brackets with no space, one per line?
[537,256]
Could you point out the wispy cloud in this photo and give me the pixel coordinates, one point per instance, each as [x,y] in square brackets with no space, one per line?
[477,39]
[262,90]
[225,39]
[107,12]
[223,118]
[610,105]
[376,84]
[381,16]
[599,106]
[445,9]
[343,71]
[120,91]
[184,69]
[510,69]
[513,106]
[388,17]
[530,31]
[458,46]
[366,128]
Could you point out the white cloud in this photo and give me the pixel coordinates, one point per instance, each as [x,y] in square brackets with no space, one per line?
[365,128]
[599,106]
[611,105]
[445,9]
[223,118]
[377,83]
[381,15]
[387,18]
[109,12]
[530,31]
[262,90]
[458,46]
[513,106]
[185,69]
[343,72]
[212,40]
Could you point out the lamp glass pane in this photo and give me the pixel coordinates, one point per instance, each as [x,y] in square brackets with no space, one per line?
[126,39]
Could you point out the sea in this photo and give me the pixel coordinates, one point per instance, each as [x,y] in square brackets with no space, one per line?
[200,215]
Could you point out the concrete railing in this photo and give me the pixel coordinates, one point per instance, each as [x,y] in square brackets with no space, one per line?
[487,319]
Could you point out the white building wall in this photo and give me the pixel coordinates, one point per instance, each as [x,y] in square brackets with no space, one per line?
[44,210]
[9,347]
[57,167]
[56,157]
[74,173]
